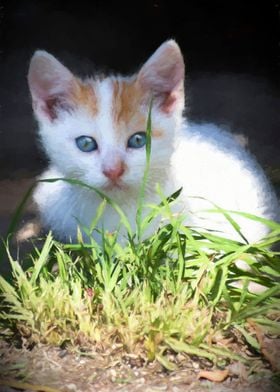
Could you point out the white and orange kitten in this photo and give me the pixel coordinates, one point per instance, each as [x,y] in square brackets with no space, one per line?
[93,130]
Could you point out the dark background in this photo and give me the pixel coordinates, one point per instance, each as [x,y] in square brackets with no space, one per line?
[231,49]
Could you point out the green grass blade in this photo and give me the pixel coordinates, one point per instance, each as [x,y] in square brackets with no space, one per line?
[180,346]
[141,195]
[42,260]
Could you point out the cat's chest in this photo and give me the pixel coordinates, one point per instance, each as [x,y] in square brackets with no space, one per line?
[85,207]
[90,211]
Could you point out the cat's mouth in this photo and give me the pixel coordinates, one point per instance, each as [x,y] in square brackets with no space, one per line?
[115,186]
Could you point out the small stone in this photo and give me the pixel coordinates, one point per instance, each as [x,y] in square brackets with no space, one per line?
[195,365]
[140,380]
[72,387]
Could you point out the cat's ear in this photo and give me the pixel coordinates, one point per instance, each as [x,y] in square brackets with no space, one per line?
[51,85]
[162,76]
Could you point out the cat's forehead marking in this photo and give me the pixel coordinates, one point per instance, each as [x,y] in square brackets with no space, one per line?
[126,100]
[104,118]
[116,102]
[85,96]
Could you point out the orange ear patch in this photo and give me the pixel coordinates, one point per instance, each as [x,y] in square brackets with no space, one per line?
[84,95]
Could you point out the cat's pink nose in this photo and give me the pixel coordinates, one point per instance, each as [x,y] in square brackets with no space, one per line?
[115,172]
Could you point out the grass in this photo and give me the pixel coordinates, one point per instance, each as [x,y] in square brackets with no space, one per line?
[171,293]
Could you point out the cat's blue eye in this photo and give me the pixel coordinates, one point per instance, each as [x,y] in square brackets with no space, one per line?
[86,143]
[137,140]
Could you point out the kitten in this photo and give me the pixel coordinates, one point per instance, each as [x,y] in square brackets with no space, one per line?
[93,130]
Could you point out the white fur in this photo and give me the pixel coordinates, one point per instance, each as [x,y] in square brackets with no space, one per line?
[208,162]
[204,159]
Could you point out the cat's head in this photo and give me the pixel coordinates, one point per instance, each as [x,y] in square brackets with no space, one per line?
[94,130]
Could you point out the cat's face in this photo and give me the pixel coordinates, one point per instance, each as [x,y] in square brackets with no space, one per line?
[95,130]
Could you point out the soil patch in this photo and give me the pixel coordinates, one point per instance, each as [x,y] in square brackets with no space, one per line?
[53,369]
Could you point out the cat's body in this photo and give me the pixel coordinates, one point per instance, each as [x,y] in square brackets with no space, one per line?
[94,131]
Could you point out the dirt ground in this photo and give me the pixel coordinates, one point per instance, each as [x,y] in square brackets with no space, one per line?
[54,369]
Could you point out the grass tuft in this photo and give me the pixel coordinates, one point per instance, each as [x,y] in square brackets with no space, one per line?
[172,292]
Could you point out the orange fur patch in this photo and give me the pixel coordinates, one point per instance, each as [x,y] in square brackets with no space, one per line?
[157,133]
[127,96]
[84,95]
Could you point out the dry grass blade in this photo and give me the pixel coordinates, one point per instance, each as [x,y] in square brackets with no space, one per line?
[26,386]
